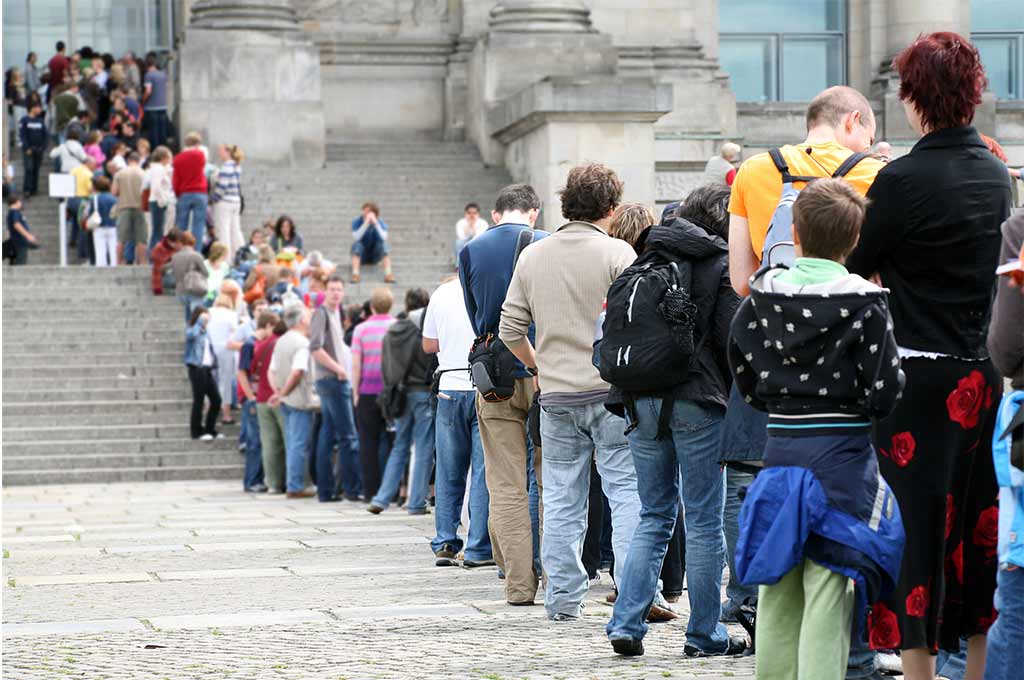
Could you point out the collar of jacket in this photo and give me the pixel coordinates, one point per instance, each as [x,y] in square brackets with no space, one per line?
[948,137]
[577,225]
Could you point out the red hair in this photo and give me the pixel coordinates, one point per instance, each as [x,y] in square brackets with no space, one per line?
[995,148]
[942,76]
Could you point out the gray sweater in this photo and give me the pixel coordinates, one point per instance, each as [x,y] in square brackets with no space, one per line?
[182,262]
[1006,332]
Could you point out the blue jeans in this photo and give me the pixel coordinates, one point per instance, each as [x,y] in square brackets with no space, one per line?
[1005,657]
[692,454]
[298,428]
[338,426]
[571,435]
[735,480]
[458,451]
[253,450]
[190,302]
[192,215]
[157,216]
[414,427]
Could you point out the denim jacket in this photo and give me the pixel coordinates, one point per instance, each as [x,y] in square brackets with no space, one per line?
[195,339]
[1011,485]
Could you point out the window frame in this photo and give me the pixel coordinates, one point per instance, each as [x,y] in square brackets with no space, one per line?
[1016,65]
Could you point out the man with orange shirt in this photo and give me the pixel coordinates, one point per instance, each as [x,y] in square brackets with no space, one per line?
[839,123]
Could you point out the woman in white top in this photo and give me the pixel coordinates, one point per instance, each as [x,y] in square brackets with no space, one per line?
[71,152]
[217,268]
[161,195]
[221,327]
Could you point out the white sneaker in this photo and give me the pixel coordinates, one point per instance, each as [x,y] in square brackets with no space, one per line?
[206,438]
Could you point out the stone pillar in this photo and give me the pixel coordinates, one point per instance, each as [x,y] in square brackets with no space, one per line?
[906,20]
[526,41]
[248,76]
[558,123]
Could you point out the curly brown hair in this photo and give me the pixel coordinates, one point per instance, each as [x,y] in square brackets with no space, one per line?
[591,192]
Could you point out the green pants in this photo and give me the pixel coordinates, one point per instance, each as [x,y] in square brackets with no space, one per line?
[803,625]
[272,441]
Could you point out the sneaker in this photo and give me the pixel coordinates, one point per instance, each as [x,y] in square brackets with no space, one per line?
[737,646]
[595,580]
[473,564]
[206,438]
[564,618]
[888,663]
[256,488]
[422,511]
[445,557]
[374,509]
[627,646]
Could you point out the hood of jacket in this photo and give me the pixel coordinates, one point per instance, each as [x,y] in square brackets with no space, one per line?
[805,323]
[684,240]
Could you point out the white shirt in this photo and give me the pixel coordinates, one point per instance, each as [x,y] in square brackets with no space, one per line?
[462,230]
[300,362]
[221,327]
[447,321]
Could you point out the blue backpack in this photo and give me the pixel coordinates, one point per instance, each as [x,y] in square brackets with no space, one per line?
[778,243]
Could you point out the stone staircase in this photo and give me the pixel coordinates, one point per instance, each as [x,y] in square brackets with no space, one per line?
[94,389]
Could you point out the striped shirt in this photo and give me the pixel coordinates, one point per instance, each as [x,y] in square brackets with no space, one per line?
[367,342]
[229,183]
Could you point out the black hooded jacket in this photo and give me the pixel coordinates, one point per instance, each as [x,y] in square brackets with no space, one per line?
[711,291]
[825,348]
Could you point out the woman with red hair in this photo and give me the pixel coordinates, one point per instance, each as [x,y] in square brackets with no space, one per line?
[931,234]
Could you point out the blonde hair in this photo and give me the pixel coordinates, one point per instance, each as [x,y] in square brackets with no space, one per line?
[381,300]
[224,301]
[236,153]
[629,220]
[266,254]
[193,139]
[218,250]
[231,288]
[160,153]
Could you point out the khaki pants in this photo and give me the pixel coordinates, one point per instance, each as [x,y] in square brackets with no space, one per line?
[503,434]
[272,441]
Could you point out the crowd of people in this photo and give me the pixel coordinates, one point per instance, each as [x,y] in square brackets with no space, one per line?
[797,373]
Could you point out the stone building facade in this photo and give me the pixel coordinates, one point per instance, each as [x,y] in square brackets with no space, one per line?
[536,85]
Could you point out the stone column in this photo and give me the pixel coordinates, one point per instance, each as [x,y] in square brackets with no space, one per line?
[526,41]
[249,76]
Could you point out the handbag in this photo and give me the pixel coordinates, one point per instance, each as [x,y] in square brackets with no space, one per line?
[94,220]
[194,283]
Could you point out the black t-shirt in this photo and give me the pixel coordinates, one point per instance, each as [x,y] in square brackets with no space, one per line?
[14,217]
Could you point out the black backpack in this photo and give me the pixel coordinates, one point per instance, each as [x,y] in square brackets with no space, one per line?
[492,366]
[400,348]
[648,343]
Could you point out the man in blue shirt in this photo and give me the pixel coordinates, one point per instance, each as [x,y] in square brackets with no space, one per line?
[370,242]
[34,137]
[17,230]
[154,98]
[485,270]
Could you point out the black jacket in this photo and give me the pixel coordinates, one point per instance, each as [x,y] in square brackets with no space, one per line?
[411,365]
[799,353]
[711,291]
[932,233]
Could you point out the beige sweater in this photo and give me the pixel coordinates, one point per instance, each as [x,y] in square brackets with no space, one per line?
[560,284]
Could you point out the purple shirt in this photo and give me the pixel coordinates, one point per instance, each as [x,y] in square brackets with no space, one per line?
[367,341]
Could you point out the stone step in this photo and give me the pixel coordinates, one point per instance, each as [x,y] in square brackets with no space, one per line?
[157,408]
[43,447]
[99,382]
[116,474]
[51,360]
[177,430]
[120,347]
[173,414]
[95,395]
[174,371]
[79,461]
[58,334]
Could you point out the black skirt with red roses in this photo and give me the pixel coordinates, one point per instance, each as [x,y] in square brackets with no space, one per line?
[935,451]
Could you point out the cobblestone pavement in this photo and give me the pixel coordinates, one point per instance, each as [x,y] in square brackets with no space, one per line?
[198,580]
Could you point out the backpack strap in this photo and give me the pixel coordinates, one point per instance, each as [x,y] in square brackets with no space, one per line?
[524,239]
[668,399]
[851,161]
[783,167]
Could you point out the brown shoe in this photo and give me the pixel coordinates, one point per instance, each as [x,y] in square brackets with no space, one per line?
[305,493]
[672,598]
[611,597]
[660,614]
[354,279]
[389,278]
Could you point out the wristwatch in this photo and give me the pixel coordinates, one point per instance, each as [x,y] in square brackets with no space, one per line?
[532,371]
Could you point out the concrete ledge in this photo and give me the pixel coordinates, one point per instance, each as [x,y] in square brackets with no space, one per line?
[602,99]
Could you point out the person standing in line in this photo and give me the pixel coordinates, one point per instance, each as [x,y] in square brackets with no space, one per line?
[332,366]
[104,236]
[448,333]
[293,395]
[227,199]
[406,368]
[201,362]
[271,423]
[721,168]
[367,384]
[154,100]
[58,67]
[221,327]
[131,221]
[937,251]
[1005,650]
[469,227]
[161,195]
[512,463]
[560,284]
[32,74]
[370,242]
[184,263]
[18,230]
[189,183]
[249,384]
[33,136]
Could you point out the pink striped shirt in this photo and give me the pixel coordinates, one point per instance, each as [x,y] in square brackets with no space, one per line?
[367,342]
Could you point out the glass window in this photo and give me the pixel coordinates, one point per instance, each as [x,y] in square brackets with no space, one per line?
[48,23]
[782,49]
[998,32]
[16,44]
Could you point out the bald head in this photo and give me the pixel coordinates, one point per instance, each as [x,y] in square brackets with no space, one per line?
[843,114]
